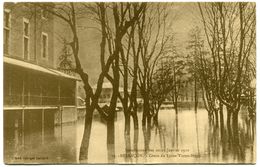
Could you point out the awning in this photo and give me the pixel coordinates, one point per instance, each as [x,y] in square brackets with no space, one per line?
[38,68]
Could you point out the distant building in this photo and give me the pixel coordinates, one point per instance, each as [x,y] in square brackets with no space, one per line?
[186,96]
[36,95]
[106,93]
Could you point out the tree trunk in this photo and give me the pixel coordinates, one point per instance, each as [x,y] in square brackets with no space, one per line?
[149,120]
[216,117]
[134,92]
[221,119]
[135,120]
[127,123]
[127,148]
[111,138]
[127,109]
[195,95]
[176,106]
[155,118]
[113,103]
[235,127]
[175,102]
[147,138]
[229,112]
[197,132]
[176,127]
[145,111]
[136,135]
[236,144]
[111,125]
[83,156]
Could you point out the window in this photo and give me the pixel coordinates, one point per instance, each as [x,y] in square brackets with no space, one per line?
[44,46]
[26,39]
[7,27]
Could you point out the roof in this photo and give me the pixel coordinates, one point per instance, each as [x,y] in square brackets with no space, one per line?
[108,85]
[38,68]
[105,85]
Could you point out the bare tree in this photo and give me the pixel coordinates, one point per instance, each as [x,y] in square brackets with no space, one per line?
[153,40]
[230,33]
[67,13]
[125,16]
[200,68]
[194,46]
[178,66]
[129,69]
[161,87]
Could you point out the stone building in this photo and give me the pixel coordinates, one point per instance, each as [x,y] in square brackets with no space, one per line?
[37,97]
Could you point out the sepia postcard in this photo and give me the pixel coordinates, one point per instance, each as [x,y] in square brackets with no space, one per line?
[129,82]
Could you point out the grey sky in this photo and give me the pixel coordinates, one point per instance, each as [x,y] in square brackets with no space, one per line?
[183,17]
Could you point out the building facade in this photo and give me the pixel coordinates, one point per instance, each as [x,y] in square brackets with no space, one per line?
[37,97]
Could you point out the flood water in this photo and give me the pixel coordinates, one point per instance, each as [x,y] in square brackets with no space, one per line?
[190,139]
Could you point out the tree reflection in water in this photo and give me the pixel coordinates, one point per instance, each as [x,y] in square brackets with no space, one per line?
[212,143]
[223,145]
[128,158]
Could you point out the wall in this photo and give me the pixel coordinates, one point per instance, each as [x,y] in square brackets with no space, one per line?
[37,25]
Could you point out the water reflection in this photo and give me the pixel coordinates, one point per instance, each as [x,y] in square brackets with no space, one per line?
[52,149]
[191,138]
[128,158]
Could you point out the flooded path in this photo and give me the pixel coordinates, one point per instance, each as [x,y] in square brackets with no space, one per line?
[195,142]
[192,140]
